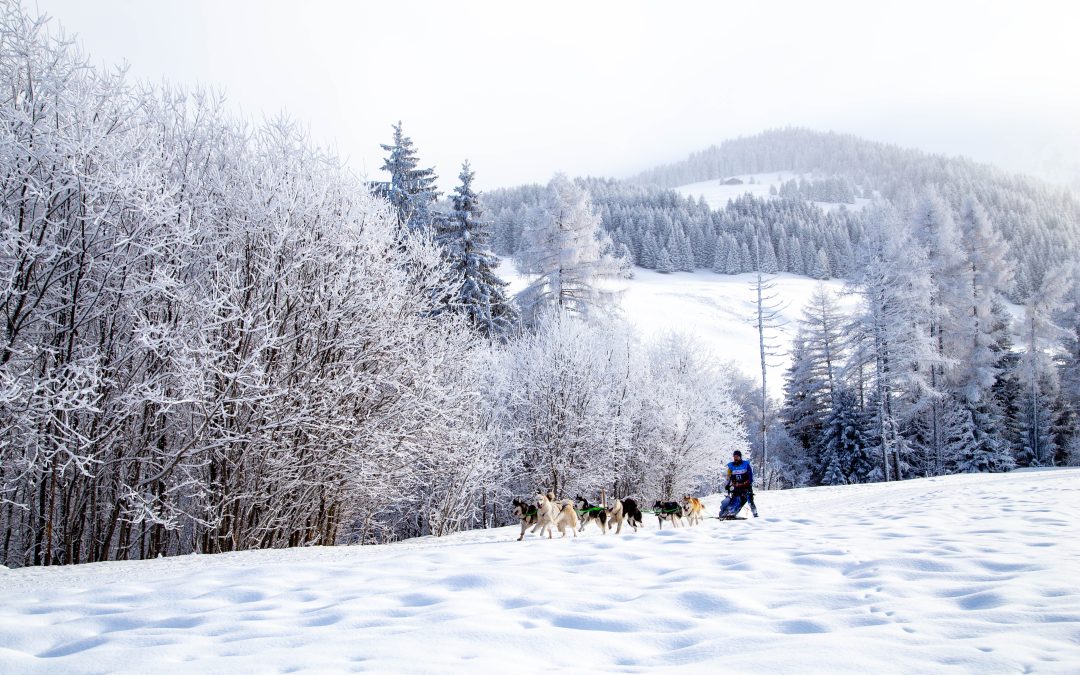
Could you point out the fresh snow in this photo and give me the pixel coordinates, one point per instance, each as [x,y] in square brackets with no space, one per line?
[717,194]
[971,572]
[718,310]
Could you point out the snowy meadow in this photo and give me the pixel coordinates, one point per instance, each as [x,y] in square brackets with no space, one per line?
[974,573]
[260,414]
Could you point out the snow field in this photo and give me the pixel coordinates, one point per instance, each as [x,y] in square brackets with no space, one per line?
[717,194]
[968,573]
[717,310]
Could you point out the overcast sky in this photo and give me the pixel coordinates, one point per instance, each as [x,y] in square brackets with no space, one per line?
[525,89]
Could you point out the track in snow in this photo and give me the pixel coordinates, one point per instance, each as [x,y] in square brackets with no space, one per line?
[976,572]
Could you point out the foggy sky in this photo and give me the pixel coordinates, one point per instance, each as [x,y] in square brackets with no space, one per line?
[525,89]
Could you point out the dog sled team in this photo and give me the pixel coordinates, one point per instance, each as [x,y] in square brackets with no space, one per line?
[546,513]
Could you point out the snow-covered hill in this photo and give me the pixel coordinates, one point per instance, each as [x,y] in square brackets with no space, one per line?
[718,310]
[971,572]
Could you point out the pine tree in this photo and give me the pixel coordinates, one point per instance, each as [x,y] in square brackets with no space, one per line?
[973,443]
[411,191]
[822,269]
[650,252]
[464,239]
[719,264]
[682,255]
[847,447]
[734,265]
[803,418]
[812,380]
[664,263]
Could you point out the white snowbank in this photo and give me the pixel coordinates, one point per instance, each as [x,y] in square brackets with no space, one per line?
[972,572]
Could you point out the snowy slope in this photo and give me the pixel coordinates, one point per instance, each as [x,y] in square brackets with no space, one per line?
[717,194]
[975,573]
[717,309]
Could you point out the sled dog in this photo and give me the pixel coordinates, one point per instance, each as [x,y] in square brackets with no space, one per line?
[624,509]
[590,513]
[694,509]
[526,513]
[554,514]
[672,511]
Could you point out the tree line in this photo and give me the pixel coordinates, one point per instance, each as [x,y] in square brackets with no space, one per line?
[216,338]
[927,379]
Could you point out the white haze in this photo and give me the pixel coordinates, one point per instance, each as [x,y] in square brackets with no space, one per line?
[611,88]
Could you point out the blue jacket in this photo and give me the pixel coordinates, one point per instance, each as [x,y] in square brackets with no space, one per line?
[739,475]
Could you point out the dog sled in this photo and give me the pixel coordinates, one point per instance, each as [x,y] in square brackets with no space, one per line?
[732,504]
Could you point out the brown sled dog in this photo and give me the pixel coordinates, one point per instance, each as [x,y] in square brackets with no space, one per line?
[694,509]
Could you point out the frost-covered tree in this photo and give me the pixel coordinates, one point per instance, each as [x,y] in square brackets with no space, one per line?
[410,190]
[213,338]
[813,378]
[948,283]
[694,419]
[891,279]
[1037,371]
[989,274]
[568,254]
[463,236]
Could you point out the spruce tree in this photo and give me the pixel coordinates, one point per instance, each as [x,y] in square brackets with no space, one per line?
[465,241]
[847,453]
[411,191]
[664,263]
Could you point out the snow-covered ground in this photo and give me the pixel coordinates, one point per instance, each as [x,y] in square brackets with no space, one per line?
[719,311]
[716,309]
[717,194]
[974,573]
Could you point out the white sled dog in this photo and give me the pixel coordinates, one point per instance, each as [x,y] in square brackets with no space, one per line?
[553,514]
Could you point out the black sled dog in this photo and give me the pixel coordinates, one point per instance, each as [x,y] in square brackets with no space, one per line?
[590,513]
[672,511]
[624,509]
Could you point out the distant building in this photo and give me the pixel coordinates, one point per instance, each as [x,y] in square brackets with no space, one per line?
[733,181]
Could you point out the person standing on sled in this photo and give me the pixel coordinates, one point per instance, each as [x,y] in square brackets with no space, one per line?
[740,483]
